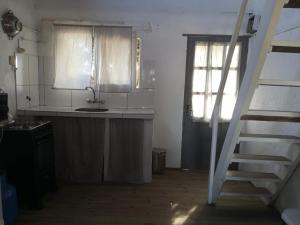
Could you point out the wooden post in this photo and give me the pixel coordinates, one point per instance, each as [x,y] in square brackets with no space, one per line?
[214,142]
[227,64]
[215,115]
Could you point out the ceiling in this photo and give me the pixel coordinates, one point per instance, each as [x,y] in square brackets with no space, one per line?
[158,6]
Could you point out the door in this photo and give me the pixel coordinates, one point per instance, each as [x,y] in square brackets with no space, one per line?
[205,59]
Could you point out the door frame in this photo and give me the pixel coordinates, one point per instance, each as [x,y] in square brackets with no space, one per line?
[190,53]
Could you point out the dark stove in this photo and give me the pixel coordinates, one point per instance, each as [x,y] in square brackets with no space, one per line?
[27,157]
[28,125]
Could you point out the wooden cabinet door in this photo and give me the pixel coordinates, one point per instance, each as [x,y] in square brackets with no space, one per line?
[125,156]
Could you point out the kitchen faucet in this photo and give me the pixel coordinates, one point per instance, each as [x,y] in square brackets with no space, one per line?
[95,100]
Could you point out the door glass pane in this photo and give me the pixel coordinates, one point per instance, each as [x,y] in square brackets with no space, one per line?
[198,106]
[236,56]
[217,55]
[231,83]
[206,80]
[228,104]
[210,103]
[216,79]
[199,79]
[200,54]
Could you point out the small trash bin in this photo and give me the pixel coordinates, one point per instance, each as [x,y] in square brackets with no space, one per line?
[158,160]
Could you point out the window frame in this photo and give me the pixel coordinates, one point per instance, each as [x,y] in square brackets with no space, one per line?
[192,41]
[93,50]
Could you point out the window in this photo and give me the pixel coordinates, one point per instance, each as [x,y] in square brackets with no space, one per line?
[209,59]
[113,59]
[93,56]
[73,57]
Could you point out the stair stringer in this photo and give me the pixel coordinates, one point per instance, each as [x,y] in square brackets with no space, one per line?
[288,176]
[257,59]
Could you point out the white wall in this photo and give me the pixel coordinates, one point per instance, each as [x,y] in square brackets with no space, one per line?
[165,45]
[24,10]
[285,67]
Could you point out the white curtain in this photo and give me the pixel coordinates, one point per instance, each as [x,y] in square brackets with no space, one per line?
[113,58]
[73,57]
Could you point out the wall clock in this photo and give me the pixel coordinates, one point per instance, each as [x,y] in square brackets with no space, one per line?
[11,24]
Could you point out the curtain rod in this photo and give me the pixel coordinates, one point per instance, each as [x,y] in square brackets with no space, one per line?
[119,24]
[86,25]
[215,35]
[89,23]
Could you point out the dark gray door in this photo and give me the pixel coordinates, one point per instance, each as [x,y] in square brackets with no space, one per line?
[200,93]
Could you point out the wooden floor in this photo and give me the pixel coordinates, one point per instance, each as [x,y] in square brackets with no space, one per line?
[176,198]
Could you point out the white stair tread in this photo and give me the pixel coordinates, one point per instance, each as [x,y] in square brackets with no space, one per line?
[243,189]
[285,46]
[293,4]
[260,192]
[276,82]
[286,83]
[269,138]
[261,159]
[251,176]
[284,43]
[272,115]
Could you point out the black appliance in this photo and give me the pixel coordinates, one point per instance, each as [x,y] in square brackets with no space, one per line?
[3,106]
[27,156]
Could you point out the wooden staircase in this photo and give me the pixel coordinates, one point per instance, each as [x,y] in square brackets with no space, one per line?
[222,181]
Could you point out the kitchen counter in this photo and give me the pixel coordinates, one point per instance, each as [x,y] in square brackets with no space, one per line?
[134,113]
[115,145]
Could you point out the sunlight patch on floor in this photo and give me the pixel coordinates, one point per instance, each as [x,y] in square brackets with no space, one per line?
[180,219]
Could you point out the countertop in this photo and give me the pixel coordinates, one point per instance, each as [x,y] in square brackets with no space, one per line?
[134,113]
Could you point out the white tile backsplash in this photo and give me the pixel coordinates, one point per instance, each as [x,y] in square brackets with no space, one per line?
[33,70]
[35,78]
[34,95]
[41,70]
[114,100]
[79,98]
[42,94]
[141,99]
[22,93]
[57,97]
[48,71]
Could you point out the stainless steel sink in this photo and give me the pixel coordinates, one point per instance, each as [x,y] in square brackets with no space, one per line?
[91,110]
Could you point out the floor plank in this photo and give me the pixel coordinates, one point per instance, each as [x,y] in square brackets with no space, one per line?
[175,198]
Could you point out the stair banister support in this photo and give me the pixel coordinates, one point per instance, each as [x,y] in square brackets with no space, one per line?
[216,111]
[229,56]
[214,142]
